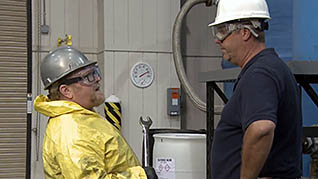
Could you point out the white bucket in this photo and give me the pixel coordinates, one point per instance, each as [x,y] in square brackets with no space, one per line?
[180,155]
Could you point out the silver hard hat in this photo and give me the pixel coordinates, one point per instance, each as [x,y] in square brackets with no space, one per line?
[61,62]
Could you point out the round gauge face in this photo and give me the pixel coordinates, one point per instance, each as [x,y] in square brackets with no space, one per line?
[142,75]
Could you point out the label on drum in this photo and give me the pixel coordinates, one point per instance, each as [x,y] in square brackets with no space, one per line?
[165,168]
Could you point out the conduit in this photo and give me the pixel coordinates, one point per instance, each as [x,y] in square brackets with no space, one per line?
[177,56]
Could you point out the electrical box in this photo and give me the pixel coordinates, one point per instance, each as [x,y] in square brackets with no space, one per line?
[173,101]
[44,29]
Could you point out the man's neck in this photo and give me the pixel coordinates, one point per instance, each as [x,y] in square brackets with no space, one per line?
[252,51]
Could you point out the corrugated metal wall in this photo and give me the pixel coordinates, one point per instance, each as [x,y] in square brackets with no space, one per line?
[13,82]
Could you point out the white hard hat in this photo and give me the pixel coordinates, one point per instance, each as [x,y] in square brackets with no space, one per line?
[229,10]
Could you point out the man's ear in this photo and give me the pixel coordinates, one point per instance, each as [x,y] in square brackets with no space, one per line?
[66,91]
[246,34]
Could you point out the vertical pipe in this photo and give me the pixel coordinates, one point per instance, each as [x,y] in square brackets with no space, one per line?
[29,87]
[209,126]
[44,12]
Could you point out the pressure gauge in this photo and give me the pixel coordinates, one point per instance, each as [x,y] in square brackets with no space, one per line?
[141,75]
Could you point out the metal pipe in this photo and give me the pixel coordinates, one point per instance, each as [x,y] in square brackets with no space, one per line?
[177,56]
[36,130]
[29,88]
[44,12]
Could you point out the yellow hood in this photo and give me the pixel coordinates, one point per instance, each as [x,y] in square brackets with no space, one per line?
[79,143]
[50,108]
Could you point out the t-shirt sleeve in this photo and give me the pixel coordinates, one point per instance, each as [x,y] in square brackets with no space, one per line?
[259,97]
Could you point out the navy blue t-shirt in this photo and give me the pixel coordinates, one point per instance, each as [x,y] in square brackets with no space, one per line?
[264,90]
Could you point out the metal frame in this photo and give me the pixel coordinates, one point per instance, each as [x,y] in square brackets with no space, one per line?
[305,72]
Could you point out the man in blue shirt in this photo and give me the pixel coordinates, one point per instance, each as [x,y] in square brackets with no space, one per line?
[259,134]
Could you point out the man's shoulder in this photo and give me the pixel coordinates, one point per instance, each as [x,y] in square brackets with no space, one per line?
[270,62]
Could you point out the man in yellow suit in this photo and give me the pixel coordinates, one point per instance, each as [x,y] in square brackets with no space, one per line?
[78,142]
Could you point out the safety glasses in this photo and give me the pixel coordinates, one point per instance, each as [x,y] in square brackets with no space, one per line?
[87,79]
[222,31]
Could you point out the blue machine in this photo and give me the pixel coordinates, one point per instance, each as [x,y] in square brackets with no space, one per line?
[305,47]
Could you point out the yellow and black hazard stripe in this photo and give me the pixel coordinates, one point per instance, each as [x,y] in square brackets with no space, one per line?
[113,114]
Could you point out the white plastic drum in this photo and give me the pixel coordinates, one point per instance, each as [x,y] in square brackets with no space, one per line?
[180,155]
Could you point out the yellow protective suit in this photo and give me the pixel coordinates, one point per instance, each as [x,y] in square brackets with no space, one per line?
[79,143]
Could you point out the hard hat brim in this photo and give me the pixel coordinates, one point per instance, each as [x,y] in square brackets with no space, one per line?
[217,22]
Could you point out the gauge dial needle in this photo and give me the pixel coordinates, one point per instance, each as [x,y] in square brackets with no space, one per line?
[143,74]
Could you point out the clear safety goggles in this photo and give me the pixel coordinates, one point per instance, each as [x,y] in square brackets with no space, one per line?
[222,31]
[87,79]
